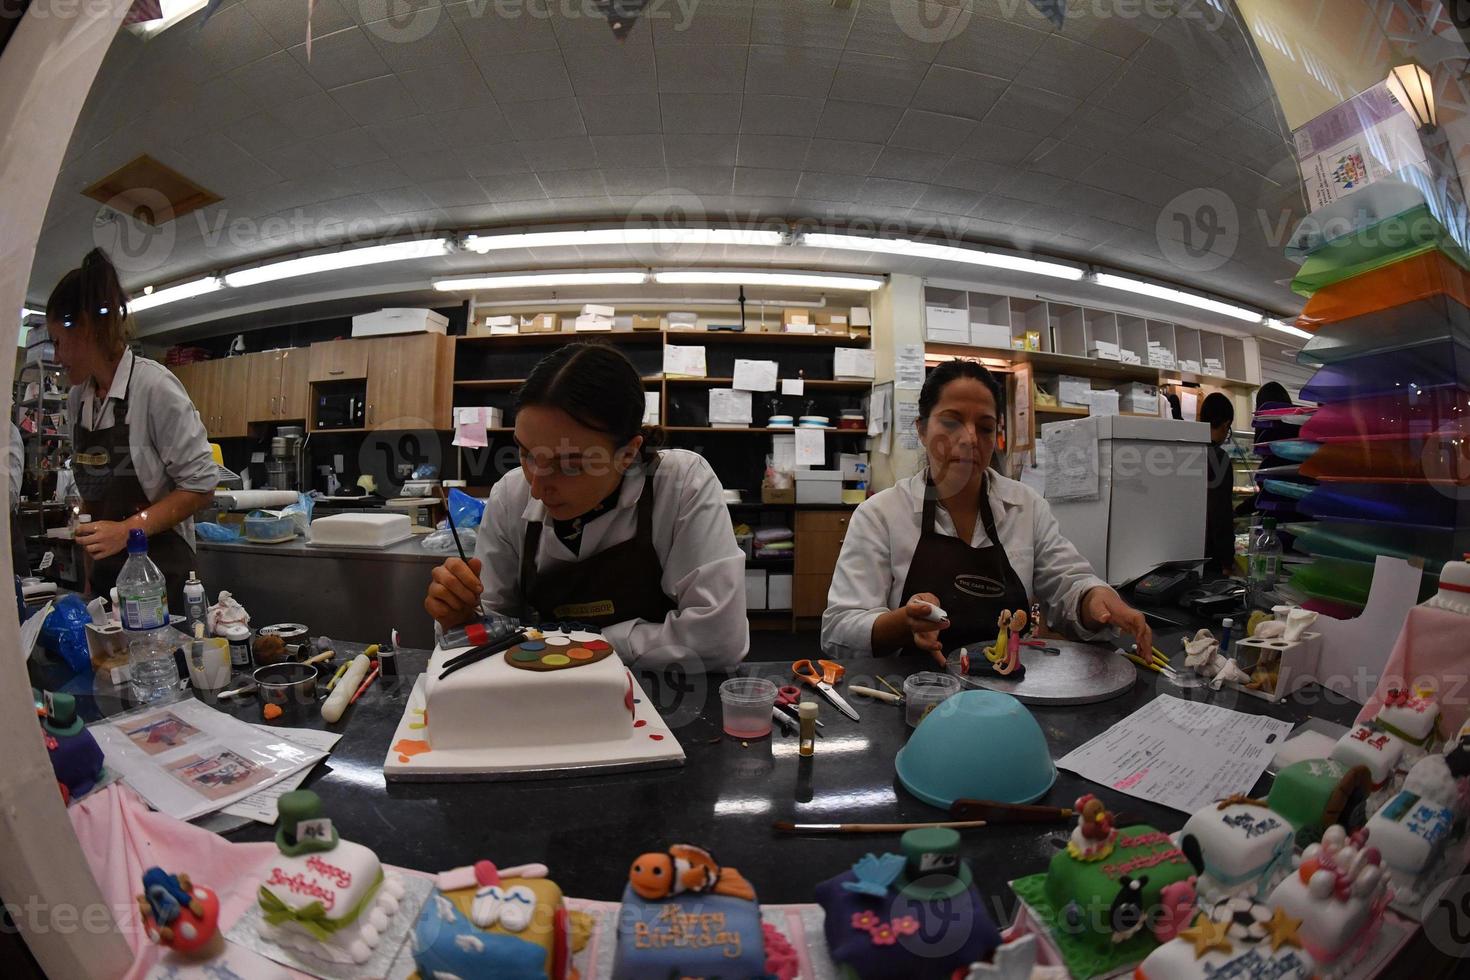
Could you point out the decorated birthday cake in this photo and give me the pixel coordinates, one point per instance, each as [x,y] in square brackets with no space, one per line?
[1096,904]
[1314,794]
[910,916]
[1411,833]
[502,923]
[76,758]
[1339,892]
[536,700]
[1234,938]
[1412,716]
[1370,746]
[1239,847]
[685,916]
[324,896]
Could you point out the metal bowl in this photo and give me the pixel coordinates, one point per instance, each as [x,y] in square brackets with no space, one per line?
[286,683]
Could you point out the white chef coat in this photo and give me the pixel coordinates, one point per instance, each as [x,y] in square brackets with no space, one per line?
[168,442]
[880,543]
[703,567]
[17,465]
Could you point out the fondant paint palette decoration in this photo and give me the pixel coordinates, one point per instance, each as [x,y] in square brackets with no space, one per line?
[559,651]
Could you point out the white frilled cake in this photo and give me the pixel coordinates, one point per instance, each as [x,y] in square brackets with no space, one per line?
[555,702]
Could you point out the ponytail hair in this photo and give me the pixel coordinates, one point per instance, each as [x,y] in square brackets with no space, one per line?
[598,387]
[90,298]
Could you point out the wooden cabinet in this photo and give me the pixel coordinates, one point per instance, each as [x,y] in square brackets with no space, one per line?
[195,382]
[410,382]
[819,537]
[277,386]
[218,390]
[339,360]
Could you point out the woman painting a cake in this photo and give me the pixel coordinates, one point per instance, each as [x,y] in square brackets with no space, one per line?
[961,537]
[598,527]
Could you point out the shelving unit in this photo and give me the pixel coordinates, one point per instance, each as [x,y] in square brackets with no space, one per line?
[43,450]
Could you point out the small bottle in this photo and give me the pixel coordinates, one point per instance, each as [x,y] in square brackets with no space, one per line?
[196,603]
[807,738]
[1227,627]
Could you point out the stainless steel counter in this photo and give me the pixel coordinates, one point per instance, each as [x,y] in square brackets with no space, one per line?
[341,592]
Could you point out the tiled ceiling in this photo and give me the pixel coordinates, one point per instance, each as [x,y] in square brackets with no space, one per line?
[1071,142]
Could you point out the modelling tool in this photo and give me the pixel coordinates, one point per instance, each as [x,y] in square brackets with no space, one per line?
[877,695]
[338,676]
[341,695]
[365,684]
[936,614]
[787,827]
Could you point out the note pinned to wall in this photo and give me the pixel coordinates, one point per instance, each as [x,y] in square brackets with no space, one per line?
[469,428]
[908,368]
[728,407]
[905,414]
[684,362]
[755,375]
[811,447]
[1071,472]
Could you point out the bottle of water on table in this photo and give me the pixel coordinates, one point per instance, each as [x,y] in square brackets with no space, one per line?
[142,592]
[1265,565]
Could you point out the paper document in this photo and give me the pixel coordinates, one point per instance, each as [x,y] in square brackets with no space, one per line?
[755,375]
[650,408]
[469,428]
[783,452]
[811,447]
[729,407]
[908,369]
[684,362]
[1181,754]
[793,386]
[188,759]
[1071,471]
[262,806]
[905,414]
[852,363]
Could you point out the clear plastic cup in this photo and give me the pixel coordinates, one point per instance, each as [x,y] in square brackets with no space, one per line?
[746,703]
[924,690]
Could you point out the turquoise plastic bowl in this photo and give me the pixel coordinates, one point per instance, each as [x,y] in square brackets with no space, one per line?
[978,745]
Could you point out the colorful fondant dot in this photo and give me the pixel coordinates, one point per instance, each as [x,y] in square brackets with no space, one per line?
[524,656]
[639,723]
[596,645]
[657,738]
[556,660]
[580,653]
[558,641]
[536,645]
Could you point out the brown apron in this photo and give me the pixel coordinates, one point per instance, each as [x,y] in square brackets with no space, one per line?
[102,462]
[617,584]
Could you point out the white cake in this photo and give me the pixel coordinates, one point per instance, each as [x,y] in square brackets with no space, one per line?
[1242,846]
[495,704]
[1412,717]
[366,530]
[1339,891]
[1367,746]
[355,897]
[1233,939]
[1410,832]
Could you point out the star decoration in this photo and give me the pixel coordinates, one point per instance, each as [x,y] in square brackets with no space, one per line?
[1206,934]
[1282,929]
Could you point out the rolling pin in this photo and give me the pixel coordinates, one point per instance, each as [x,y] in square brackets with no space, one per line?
[336,702]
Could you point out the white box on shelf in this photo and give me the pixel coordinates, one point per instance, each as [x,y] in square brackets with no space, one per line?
[819,486]
[1191,367]
[683,321]
[860,316]
[1213,366]
[778,590]
[945,325]
[1073,391]
[1137,397]
[499,326]
[592,309]
[593,323]
[755,588]
[1129,357]
[990,335]
[394,320]
[801,328]
[1103,350]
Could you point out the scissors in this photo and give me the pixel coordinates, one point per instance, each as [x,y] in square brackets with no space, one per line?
[832,672]
[788,698]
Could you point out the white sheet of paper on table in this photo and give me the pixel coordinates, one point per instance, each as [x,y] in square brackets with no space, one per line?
[793,386]
[811,447]
[728,406]
[684,361]
[1180,754]
[755,375]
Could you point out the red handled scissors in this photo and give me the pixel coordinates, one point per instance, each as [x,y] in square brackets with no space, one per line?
[831,673]
[788,700]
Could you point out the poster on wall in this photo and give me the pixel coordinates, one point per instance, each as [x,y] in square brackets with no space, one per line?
[1363,140]
[1020,422]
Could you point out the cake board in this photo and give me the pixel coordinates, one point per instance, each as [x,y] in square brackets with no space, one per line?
[652,746]
[1063,672]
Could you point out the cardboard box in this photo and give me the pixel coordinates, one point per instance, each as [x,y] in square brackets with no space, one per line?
[755,588]
[1074,391]
[1033,340]
[641,322]
[541,323]
[1103,351]
[604,312]
[990,335]
[592,323]
[778,590]
[394,320]
[771,495]
[819,486]
[946,326]
[683,321]
[832,324]
[860,316]
[1136,397]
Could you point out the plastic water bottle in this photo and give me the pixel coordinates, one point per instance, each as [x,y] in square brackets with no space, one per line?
[141,588]
[1265,564]
[152,671]
[196,603]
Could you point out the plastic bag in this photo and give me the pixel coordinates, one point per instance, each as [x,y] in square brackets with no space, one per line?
[464,510]
[64,633]
[440,541]
[210,531]
[300,512]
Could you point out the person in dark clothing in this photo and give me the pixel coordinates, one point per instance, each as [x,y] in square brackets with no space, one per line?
[1272,394]
[1218,411]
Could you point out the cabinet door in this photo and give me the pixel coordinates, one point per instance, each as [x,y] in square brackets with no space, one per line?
[819,537]
[407,386]
[339,360]
[231,390]
[262,386]
[295,394]
[192,379]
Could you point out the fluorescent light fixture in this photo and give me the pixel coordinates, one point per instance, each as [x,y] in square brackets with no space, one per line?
[801,279]
[544,279]
[332,261]
[1285,327]
[624,236]
[1414,89]
[944,253]
[162,297]
[1176,296]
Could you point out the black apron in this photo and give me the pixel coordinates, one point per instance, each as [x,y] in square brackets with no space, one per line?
[102,463]
[615,585]
[974,585]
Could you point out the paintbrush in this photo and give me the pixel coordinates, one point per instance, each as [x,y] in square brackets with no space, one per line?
[479,653]
[994,812]
[787,827]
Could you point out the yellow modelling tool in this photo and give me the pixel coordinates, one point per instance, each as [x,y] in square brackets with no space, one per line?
[1145,664]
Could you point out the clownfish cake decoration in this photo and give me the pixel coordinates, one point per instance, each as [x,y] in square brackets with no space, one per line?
[178,913]
[685,868]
